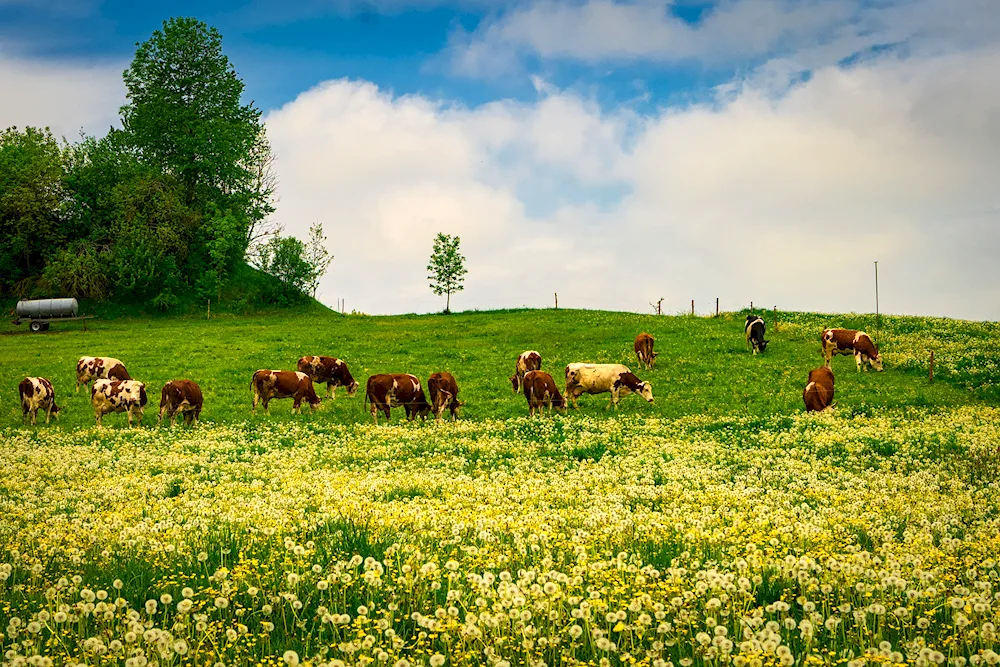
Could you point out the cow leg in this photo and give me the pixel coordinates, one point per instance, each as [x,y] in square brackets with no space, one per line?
[97,416]
[267,408]
[858,361]
[34,416]
[48,413]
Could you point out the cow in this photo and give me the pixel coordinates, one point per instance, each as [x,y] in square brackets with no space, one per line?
[526,361]
[330,370]
[128,396]
[267,384]
[180,397]
[443,392]
[37,394]
[849,341]
[99,368]
[541,390]
[392,390]
[644,350]
[601,378]
[755,329]
[818,394]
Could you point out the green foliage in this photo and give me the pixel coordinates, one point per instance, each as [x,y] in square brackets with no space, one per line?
[447,268]
[284,258]
[165,207]
[31,198]
[77,271]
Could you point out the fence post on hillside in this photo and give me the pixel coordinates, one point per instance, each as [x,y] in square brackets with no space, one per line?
[209,315]
[692,307]
[751,306]
[930,372]
[556,294]
[716,306]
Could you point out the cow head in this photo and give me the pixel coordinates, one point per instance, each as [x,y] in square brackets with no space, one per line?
[442,400]
[55,409]
[646,391]
[515,382]
[876,362]
[352,388]
[560,403]
[762,345]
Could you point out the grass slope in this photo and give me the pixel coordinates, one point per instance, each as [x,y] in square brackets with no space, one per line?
[703,366]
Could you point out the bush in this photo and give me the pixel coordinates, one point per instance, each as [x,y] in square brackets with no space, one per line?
[76,271]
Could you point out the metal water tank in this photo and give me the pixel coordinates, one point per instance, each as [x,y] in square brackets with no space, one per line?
[42,308]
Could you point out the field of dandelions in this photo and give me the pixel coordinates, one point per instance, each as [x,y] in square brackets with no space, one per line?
[746,533]
[789,540]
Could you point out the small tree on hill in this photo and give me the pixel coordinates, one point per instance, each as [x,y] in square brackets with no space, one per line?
[317,256]
[447,268]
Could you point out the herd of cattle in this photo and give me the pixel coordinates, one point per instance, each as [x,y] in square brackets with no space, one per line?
[114,390]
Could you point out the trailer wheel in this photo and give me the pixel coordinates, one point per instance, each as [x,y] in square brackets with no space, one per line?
[36,327]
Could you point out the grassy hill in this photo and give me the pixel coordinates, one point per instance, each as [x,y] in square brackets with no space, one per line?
[703,366]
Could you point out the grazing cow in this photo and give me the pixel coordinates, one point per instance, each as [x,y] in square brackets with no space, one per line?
[330,370]
[180,397]
[601,378]
[541,390]
[818,394]
[392,390]
[267,384]
[527,361]
[128,396]
[99,368]
[644,350]
[755,329]
[443,391]
[37,394]
[849,341]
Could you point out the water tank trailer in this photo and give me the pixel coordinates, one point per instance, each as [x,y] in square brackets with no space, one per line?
[41,312]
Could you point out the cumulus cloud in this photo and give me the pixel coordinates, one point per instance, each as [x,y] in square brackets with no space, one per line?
[790,35]
[783,201]
[64,96]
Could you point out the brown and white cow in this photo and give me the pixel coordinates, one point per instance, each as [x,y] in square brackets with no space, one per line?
[392,390]
[644,350]
[849,341]
[180,397]
[541,390]
[443,391]
[267,384]
[602,378]
[818,394]
[128,396]
[37,394]
[526,361]
[330,370]
[99,368]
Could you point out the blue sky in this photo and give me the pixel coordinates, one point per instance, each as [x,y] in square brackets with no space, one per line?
[615,151]
[280,50]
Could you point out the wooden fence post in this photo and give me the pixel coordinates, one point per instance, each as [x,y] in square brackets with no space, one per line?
[557,299]
[692,307]
[930,373]
[209,310]
[716,306]
[751,306]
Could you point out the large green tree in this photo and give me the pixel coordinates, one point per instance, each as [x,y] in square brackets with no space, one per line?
[184,115]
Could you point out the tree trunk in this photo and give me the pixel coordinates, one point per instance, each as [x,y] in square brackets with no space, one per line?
[447,303]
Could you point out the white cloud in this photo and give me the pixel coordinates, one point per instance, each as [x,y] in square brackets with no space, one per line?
[783,200]
[66,97]
[807,33]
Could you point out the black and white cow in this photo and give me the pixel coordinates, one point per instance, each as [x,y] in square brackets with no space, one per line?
[755,330]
